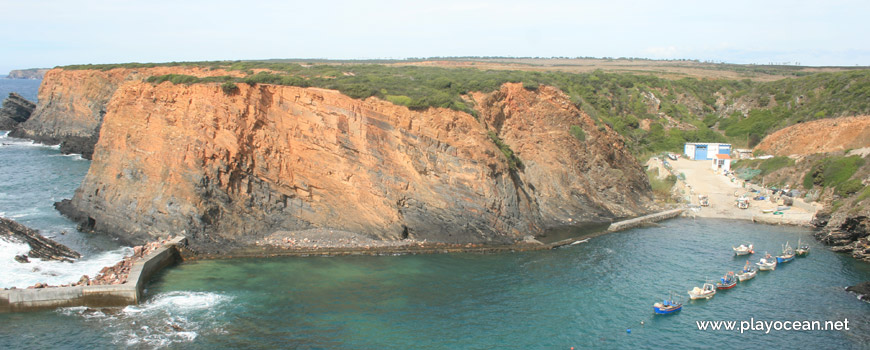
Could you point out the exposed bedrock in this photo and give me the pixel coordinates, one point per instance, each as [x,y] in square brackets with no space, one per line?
[15,110]
[229,169]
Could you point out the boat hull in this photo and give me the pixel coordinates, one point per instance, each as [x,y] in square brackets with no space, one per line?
[666,310]
[768,267]
[746,276]
[701,296]
[720,286]
[784,259]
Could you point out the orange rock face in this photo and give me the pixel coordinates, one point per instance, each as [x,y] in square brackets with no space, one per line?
[818,136]
[218,168]
[72,103]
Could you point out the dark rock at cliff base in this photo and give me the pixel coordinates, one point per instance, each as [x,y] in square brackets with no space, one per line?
[862,289]
[40,246]
[16,109]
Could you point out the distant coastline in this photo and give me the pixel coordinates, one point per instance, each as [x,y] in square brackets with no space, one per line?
[32,73]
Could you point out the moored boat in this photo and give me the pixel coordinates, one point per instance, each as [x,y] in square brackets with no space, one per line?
[802,249]
[767,263]
[743,249]
[705,292]
[727,282]
[747,273]
[787,254]
[668,306]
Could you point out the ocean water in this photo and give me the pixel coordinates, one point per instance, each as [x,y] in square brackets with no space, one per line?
[32,177]
[27,88]
[583,296]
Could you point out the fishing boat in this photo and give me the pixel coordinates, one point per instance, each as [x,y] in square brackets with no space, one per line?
[743,249]
[787,254]
[767,263]
[802,249]
[727,282]
[742,203]
[705,292]
[668,306]
[703,200]
[747,273]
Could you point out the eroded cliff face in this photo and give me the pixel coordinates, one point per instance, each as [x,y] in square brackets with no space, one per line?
[175,159]
[72,104]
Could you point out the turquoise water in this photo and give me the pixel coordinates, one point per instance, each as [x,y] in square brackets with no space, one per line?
[32,178]
[583,296]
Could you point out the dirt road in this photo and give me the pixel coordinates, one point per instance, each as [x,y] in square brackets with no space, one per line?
[723,192]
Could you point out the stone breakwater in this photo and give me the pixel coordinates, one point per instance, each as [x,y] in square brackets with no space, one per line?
[118,285]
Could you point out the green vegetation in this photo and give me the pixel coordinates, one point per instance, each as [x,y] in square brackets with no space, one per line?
[622,101]
[578,133]
[229,88]
[763,167]
[835,172]
[513,162]
[661,187]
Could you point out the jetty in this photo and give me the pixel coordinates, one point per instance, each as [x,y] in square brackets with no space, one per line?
[128,293]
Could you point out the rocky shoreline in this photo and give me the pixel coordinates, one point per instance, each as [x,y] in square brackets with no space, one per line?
[111,275]
[41,247]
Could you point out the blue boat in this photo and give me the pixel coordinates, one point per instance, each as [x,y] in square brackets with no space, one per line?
[787,254]
[667,306]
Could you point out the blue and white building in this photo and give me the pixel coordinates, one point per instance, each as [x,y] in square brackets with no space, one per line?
[705,150]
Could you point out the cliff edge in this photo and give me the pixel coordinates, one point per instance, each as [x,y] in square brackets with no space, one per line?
[228,169]
[72,102]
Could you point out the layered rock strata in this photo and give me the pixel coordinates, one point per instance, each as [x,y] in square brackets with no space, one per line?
[72,104]
[232,168]
[15,110]
[41,247]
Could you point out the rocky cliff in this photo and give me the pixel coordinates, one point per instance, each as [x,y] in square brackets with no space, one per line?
[231,168]
[818,136]
[32,73]
[15,110]
[72,104]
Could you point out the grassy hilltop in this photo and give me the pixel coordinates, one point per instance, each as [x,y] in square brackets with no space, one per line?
[656,105]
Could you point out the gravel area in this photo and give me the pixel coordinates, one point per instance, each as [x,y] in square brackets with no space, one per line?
[325,238]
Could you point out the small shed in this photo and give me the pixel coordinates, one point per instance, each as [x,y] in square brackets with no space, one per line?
[706,150]
[722,162]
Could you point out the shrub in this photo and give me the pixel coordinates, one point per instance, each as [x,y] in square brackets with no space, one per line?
[578,133]
[849,187]
[513,162]
[229,88]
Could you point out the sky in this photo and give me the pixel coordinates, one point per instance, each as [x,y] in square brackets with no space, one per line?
[49,33]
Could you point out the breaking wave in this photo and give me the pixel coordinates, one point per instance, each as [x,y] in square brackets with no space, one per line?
[51,272]
[166,320]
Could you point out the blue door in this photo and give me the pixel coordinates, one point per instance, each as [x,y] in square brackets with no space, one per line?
[700,152]
[725,149]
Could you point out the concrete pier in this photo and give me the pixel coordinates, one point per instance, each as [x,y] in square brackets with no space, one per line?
[129,293]
[631,223]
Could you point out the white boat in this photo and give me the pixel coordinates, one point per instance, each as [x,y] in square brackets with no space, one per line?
[803,249]
[747,273]
[743,249]
[705,292]
[767,263]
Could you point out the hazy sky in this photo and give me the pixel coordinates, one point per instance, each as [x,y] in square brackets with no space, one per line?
[40,33]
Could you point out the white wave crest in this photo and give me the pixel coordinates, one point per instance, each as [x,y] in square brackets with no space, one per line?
[166,320]
[52,272]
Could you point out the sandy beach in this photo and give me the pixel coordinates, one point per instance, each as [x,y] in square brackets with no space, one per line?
[722,191]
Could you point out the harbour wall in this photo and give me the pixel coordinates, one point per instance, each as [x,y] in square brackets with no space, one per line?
[631,223]
[129,293]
